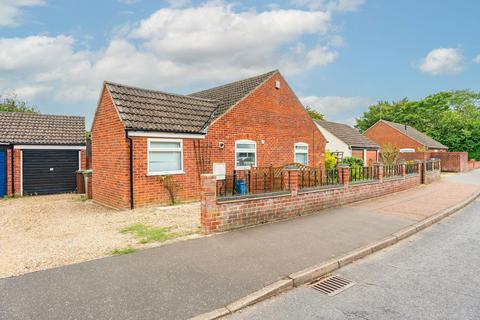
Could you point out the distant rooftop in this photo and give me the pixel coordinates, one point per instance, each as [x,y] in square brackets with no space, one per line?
[347,134]
[416,135]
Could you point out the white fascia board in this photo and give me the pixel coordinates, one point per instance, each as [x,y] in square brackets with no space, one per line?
[48,147]
[148,134]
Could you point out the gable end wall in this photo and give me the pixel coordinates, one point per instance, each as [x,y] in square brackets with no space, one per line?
[381,133]
[110,156]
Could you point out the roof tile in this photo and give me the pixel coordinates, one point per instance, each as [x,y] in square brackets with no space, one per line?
[416,135]
[149,110]
[348,134]
[34,128]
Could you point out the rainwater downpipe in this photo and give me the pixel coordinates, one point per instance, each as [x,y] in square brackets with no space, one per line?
[132,204]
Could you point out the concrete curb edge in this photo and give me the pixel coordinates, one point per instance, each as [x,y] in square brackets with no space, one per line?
[321,270]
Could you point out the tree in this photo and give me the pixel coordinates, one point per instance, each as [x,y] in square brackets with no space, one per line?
[314,114]
[390,154]
[330,161]
[451,117]
[13,104]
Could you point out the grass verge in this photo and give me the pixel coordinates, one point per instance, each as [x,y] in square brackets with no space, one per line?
[126,250]
[150,234]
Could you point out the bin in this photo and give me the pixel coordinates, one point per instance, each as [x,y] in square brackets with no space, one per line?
[241,187]
[86,186]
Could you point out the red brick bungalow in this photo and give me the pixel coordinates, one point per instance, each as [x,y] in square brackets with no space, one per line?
[406,138]
[139,135]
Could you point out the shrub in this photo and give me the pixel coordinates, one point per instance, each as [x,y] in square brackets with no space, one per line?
[390,154]
[169,183]
[353,162]
[330,161]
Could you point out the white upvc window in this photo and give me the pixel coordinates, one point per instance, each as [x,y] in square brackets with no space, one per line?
[165,156]
[245,154]
[301,153]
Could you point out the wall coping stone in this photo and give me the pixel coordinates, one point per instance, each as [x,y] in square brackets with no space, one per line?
[252,197]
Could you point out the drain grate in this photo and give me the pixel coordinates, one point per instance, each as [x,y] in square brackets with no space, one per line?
[332,285]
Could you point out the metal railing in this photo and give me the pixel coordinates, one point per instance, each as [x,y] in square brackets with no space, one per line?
[256,180]
[432,165]
[392,171]
[311,178]
[361,174]
[411,168]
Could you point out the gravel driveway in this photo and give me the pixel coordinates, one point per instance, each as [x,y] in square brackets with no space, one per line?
[42,232]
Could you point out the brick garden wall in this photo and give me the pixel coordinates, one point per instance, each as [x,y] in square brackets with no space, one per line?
[451,161]
[226,215]
[473,164]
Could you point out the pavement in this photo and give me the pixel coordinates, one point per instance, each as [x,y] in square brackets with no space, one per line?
[433,275]
[188,278]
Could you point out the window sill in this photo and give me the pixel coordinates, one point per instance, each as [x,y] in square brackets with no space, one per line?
[243,168]
[169,173]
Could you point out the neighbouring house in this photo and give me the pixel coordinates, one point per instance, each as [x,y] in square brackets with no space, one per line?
[345,141]
[404,137]
[40,154]
[139,135]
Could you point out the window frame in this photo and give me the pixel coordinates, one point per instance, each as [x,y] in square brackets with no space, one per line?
[150,149]
[295,151]
[236,153]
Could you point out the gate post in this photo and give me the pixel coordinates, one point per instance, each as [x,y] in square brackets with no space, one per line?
[209,213]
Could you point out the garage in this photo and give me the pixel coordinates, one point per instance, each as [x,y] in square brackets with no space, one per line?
[49,171]
[47,151]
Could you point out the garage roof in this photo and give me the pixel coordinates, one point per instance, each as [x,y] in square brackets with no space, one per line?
[41,129]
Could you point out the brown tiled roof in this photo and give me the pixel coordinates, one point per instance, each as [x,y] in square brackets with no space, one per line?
[230,94]
[149,110]
[33,128]
[416,135]
[347,134]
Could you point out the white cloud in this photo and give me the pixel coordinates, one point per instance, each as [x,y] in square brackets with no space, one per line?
[477,59]
[336,107]
[443,61]
[330,5]
[173,47]
[11,11]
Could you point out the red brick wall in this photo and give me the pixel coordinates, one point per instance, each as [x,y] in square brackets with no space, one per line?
[357,154]
[382,134]
[473,164]
[451,161]
[221,216]
[147,189]
[274,116]
[110,157]
[371,157]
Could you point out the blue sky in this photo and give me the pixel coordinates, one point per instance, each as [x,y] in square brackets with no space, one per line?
[338,55]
